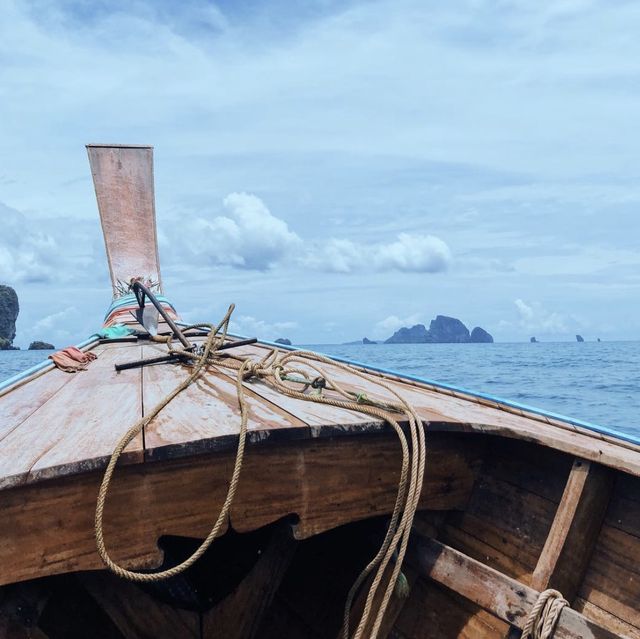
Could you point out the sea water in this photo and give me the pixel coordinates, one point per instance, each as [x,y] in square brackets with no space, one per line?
[598,382]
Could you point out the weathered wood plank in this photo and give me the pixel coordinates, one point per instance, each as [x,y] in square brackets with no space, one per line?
[606,619]
[123,180]
[504,525]
[443,410]
[569,546]
[20,401]
[333,482]
[532,468]
[504,597]
[434,612]
[136,614]
[612,581]
[77,429]
[48,528]
[205,416]
[240,614]
[323,420]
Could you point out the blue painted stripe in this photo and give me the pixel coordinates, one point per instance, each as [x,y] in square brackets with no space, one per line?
[47,363]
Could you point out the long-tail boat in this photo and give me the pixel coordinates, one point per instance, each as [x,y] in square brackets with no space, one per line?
[505,520]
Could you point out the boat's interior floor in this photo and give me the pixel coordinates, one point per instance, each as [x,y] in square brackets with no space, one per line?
[60,424]
[534,518]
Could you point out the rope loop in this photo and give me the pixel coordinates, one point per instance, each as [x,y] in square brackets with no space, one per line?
[544,615]
[301,375]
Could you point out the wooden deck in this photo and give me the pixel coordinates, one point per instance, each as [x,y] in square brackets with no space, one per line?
[61,424]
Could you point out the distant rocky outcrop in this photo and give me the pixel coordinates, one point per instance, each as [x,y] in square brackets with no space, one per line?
[284,341]
[598,339]
[480,336]
[448,330]
[6,345]
[442,330]
[9,309]
[533,340]
[366,340]
[417,334]
[41,346]
[579,338]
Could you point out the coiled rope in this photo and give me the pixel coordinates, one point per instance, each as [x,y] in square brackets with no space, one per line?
[284,372]
[544,615]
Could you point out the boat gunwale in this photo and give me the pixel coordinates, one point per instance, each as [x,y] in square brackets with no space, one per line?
[601,433]
[611,435]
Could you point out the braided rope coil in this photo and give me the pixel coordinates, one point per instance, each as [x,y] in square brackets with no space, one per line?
[544,615]
[285,371]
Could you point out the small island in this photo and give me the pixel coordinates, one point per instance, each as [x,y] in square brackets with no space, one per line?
[284,341]
[41,346]
[442,330]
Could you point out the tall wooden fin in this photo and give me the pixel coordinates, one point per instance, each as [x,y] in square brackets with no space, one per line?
[123,179]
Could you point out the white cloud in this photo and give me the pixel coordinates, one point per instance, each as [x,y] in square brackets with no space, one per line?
[413,253]
[248,237]
[409,253]
[252,327]
[52,328]
[251,237]
[26,253]
[533,317]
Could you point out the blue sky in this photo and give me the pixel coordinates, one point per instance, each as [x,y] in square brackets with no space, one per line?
[335,169]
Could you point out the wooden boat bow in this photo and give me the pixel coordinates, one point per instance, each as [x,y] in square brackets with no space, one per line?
[514,501]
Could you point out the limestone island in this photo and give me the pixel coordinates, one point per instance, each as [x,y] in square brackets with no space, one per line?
[9,309]
[442,330]
[41,346]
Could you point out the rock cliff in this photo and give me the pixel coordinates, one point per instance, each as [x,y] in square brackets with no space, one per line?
[480,336]
[417,334]
[9,309]
[448,330]
[442,330]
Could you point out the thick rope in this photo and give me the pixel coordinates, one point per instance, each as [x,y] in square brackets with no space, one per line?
[544,615]
[285,372]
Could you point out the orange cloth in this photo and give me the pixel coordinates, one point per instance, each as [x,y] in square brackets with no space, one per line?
[72,359]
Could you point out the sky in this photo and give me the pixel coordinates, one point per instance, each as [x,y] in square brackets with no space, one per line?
[336,169]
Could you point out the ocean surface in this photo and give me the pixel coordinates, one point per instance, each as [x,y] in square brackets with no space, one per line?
[598,382]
